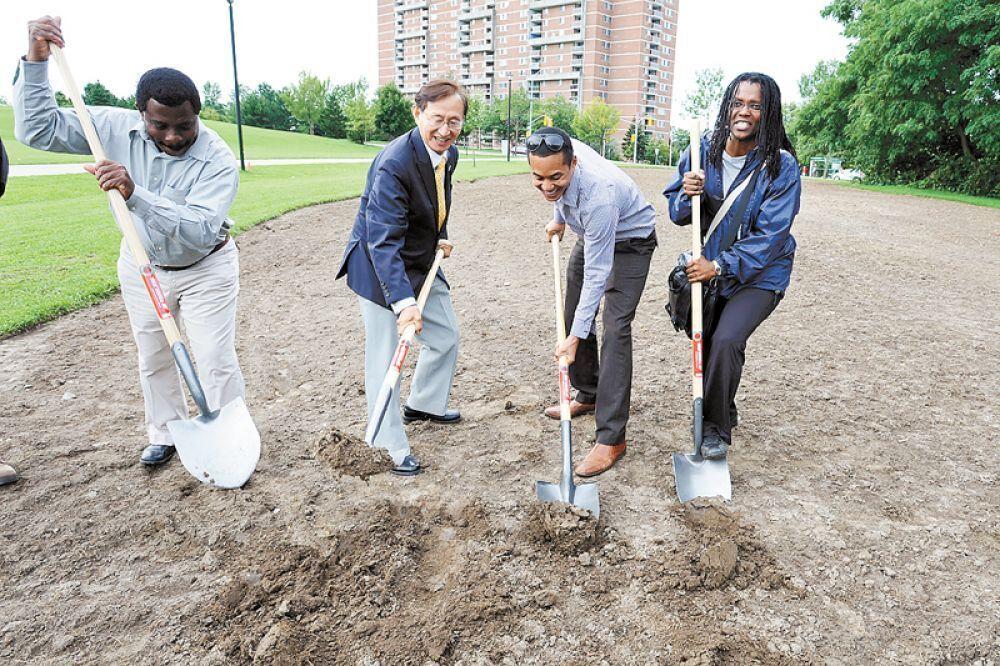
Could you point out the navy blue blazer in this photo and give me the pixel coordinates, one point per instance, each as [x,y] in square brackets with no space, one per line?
[395,234]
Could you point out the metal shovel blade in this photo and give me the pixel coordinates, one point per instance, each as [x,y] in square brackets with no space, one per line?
[699,477]
[584,496]
[221,450]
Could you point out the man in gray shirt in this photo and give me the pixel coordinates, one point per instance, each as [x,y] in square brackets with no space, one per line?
[179,180]
[616,238]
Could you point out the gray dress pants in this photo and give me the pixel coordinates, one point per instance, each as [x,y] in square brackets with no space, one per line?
[432,378]
[608,382]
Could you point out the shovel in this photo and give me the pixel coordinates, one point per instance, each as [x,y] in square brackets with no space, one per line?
[584,496]
[694,475]
[222,447]
[402,348]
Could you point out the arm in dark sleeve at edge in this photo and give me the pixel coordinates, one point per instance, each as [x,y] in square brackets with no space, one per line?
[385,215]
[679,203]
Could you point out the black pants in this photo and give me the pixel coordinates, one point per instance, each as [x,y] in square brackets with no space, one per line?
[725,353]
[609,382]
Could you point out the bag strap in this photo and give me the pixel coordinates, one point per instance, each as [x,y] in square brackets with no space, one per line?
[744,202]
[730,200]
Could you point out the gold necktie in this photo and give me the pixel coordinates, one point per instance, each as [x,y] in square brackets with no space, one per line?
[442,206]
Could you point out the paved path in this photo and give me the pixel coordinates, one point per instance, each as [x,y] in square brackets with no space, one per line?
[64,169]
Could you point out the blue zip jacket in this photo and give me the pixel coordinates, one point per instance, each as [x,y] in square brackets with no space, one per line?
[764,250]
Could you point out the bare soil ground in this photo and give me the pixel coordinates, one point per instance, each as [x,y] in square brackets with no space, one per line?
[865,524]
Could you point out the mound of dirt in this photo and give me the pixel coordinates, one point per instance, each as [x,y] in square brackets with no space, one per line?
[350,456]
[562,527]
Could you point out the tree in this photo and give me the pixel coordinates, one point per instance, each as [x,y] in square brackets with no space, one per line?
[595,124]
[360,119]
[62,100]
[704,102]
[96,94]
[332,122]
[628,144]
[264,107]
[657,151]
[307,99]
[561,111]
[916,100]
[680,139]
[393,112]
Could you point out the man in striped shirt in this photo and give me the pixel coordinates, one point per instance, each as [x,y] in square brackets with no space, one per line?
[615,228]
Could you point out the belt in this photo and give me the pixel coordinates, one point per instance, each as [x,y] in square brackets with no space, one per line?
[214,250]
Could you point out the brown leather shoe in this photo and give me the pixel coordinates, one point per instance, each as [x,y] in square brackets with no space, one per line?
[575,409]
[600,459]
[7,474]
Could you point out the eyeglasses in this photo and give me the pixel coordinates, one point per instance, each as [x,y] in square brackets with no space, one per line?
[454,124]
[553,142]
[736,105]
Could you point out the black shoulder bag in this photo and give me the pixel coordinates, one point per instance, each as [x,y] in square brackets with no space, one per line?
[679,289]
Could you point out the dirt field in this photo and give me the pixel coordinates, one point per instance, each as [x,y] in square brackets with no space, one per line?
[865,524]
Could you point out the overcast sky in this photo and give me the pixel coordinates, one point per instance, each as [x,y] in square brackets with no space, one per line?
[114,41]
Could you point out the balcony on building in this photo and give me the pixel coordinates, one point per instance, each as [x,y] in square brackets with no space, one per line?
[476,48]
[545,4]
[567,75]
[575,36]
[410,5]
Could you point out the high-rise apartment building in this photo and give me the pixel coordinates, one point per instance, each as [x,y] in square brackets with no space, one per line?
[621,51]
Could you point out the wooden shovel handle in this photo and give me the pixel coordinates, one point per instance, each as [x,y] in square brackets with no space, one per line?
[118,206]
[425,289]
[564,390]
[697,390]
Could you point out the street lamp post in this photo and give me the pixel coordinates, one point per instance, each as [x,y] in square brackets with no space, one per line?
[236,86]
[508,119]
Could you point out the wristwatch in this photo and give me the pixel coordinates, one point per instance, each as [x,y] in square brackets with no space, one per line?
[718,268]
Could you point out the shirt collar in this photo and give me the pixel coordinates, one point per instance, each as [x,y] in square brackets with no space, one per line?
[571,197]
[435,156]
[197,151]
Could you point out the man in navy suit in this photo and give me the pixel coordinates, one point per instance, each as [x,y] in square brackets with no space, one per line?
[402,219]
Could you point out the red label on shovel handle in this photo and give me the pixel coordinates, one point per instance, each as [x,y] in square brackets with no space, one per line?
[563,383]
[696,354]
[400,355]
[155,293]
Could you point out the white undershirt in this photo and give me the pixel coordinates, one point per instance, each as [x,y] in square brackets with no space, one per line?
[731,167]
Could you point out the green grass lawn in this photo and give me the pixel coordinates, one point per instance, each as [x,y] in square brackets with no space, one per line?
[60,242]
[918,192]
[259,144]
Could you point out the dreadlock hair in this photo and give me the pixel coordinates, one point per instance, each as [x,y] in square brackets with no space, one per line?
[771,135]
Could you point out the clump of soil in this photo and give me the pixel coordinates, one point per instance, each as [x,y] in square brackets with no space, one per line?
[563,528]
[703,650]
[724,550]
[352,457]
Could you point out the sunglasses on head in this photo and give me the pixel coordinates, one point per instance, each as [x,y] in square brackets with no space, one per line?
[553,142]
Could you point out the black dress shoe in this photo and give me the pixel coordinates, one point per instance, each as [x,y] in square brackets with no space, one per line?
[155,454]
[410,415]
[409,467]
[713,447]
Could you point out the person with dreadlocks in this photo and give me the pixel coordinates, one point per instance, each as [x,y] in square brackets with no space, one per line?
[747,142]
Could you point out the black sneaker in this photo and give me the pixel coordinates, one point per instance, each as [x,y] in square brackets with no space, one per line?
[410,415]
[713,447]
[155,454]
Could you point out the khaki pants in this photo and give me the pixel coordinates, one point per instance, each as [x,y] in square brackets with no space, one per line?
[203,301]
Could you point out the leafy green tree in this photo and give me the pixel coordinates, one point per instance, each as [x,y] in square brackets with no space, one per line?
[562,112]
[307,99]
[596,123]
[642,142]
[657,151]
[332,122]
[916,101]
[680,139]
[393,112]
[211,97]
[96,94]
[704,102]
[63,100]
[264,107]
[360,119]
